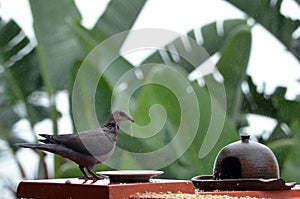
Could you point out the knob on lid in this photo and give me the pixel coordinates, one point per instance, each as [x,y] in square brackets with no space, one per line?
[245,138]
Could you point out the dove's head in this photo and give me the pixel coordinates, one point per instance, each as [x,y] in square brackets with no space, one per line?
[119,116]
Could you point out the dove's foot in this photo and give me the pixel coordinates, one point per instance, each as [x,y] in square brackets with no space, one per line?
[85,178]
[93,178]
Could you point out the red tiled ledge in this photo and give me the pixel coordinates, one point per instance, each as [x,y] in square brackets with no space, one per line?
[77,188]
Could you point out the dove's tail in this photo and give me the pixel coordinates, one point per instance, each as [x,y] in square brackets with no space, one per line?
[53,148]
[80,158]
[27,145]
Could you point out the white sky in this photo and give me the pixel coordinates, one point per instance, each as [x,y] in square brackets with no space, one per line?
[269,64]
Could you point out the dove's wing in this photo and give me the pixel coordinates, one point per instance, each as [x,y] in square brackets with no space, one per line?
[92,142]
[97,144]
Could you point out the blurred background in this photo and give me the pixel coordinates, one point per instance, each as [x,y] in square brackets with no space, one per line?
[254,45]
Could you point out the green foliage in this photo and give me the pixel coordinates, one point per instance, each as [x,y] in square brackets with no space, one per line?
[233,65]
[291,163]
[19,80]
[119,16]
[284,139]
[63,43]
[57,45]
[267,13]
[18,62]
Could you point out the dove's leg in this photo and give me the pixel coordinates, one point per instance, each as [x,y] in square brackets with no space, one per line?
[84,173]
[95,176]
[92,172]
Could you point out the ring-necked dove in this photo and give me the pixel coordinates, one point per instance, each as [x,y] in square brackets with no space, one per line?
[87,148]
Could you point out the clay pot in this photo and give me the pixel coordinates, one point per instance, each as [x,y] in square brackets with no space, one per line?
[246,159]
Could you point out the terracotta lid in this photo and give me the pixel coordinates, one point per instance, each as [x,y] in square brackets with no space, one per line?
[246,159]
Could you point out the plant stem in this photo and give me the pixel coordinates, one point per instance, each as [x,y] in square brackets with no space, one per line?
[19,166]
[54,115]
